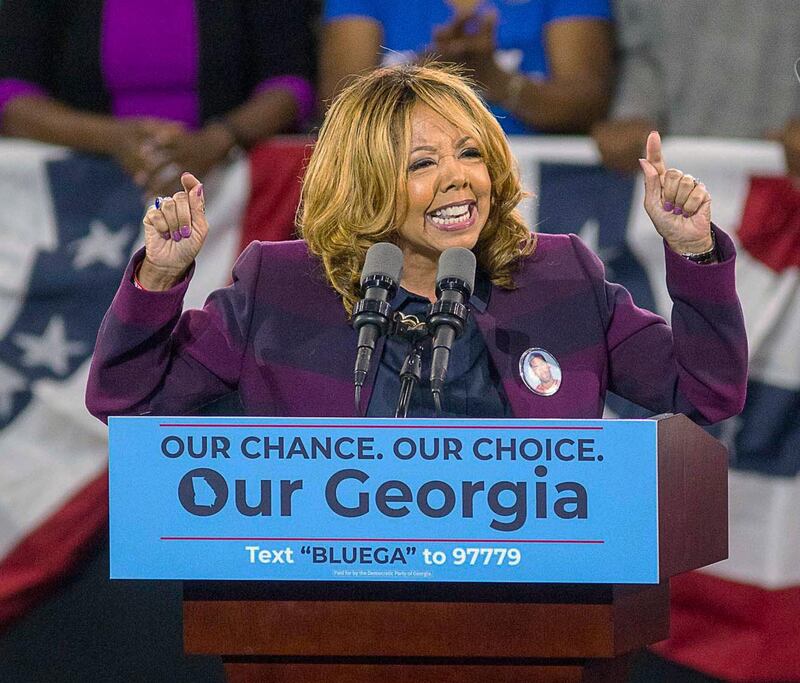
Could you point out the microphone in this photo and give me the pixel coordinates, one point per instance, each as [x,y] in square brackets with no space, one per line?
[371,315]
[455,281]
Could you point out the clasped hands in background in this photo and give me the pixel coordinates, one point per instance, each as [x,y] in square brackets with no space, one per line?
[154,152]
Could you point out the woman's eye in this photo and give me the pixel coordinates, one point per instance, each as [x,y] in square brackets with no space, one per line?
[420,164]
[472,153]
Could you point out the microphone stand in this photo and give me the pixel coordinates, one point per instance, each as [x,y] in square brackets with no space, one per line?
[410,375]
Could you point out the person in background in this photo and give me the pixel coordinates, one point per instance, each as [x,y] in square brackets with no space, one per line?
[544,66]
[160,86]
[721,68]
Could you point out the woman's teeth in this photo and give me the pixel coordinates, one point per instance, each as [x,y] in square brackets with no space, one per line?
[451,214]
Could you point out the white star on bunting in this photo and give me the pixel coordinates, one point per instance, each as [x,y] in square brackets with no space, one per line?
[52,349]
[11,382]
[101,246]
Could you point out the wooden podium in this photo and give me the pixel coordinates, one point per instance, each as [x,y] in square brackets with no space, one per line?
[330,632]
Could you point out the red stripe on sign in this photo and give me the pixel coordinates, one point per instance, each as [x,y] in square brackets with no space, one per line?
[368,426]
[37,565]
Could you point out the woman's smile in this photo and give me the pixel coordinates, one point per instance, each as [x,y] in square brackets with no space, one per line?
[452,217]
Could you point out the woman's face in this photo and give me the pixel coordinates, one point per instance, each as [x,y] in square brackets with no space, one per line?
[449,190]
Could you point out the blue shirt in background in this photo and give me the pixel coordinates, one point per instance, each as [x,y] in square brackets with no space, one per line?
[408,28]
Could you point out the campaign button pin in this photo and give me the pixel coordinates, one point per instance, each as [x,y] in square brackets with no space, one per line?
[540,371]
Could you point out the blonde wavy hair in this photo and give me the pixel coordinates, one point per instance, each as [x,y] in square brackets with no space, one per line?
[355,182]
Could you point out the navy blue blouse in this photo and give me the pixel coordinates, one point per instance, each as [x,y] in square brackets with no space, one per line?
[472,388]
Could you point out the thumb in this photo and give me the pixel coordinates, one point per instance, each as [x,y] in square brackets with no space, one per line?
[652,184]
[189,182]
[197,201]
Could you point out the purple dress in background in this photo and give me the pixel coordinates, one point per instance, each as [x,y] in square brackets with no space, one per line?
[155,75]
[149,60]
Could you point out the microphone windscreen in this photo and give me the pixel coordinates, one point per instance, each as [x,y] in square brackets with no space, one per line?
[458,263]
[384,259]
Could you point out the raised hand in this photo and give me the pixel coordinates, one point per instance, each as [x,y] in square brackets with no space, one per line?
[174,232]
[678,204]
[469,38]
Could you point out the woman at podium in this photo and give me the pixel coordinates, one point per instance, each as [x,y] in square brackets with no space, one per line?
[411,156]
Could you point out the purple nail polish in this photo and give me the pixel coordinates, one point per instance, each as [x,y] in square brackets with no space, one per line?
[677,210]
[158,202]
[685,213]
[185,231]
[166,235]
[177,236]
[668,206]
[199,190]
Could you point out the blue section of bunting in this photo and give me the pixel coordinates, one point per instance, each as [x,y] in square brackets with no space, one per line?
[766,436]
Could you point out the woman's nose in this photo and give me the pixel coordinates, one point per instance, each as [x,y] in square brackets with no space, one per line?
[453,172]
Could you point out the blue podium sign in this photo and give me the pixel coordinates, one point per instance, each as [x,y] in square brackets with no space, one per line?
[571,501]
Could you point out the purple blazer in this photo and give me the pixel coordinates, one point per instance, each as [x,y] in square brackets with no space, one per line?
[279,334]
